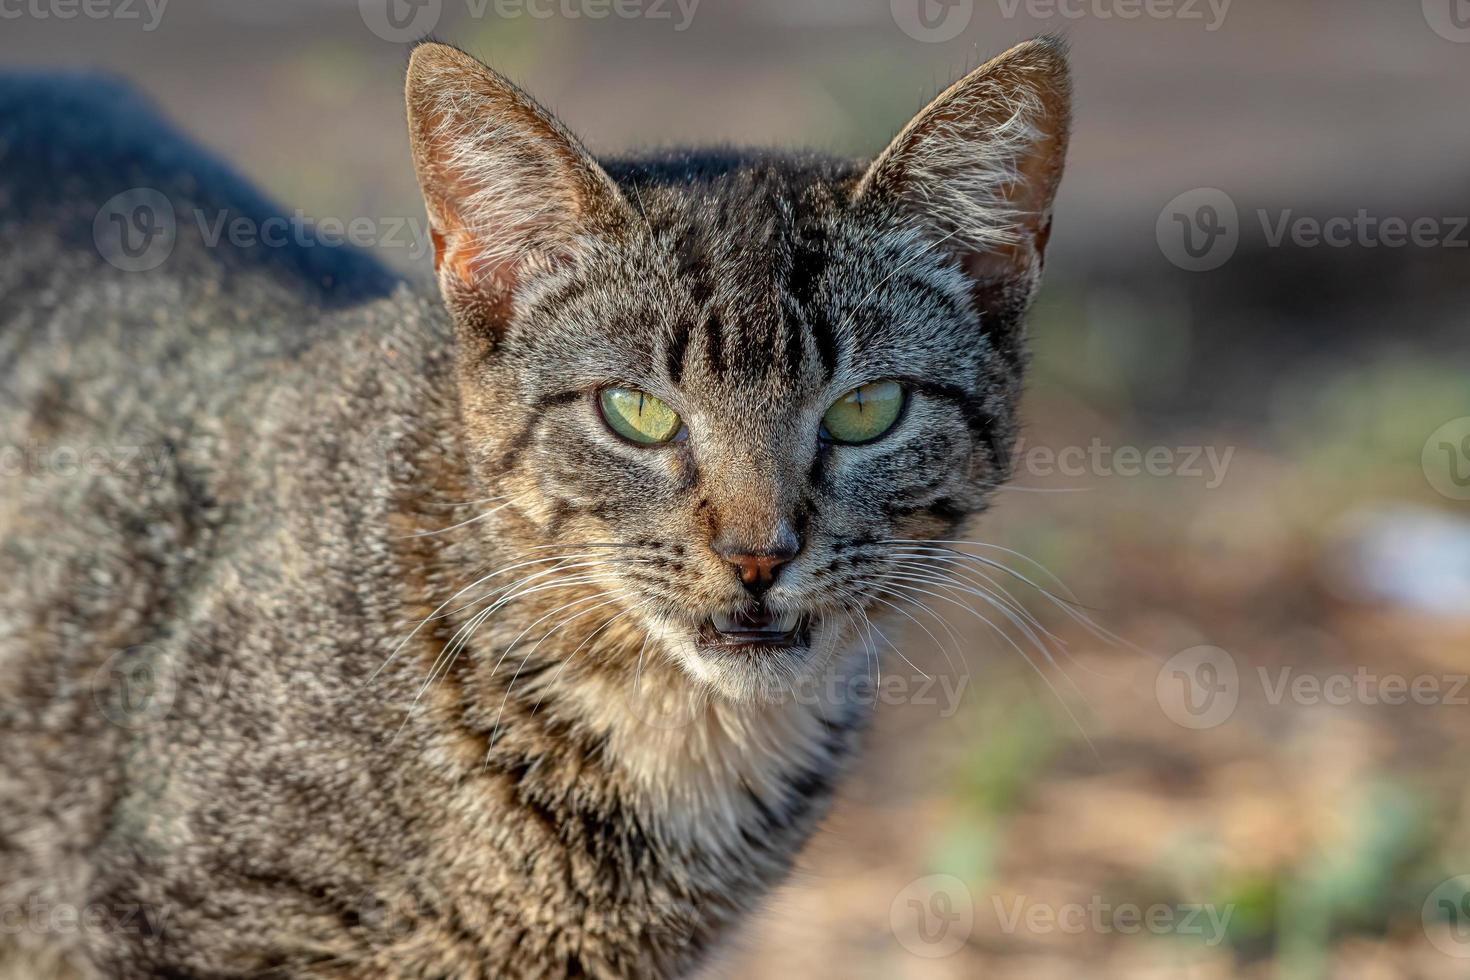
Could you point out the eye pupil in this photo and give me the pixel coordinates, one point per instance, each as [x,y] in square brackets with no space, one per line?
[864,414]
[639,417]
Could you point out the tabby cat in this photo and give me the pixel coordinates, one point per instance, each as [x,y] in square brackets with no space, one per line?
[355,629]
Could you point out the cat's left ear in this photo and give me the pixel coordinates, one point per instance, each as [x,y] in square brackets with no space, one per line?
[977,170]
[510,193]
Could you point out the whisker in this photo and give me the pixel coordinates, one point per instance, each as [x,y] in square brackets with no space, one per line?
[479,517]
[1070,606]
[996,595]
[939,545]
[465,633]
[946,582]
[939,646]
[617,596]
[884,637]
[422,623]
[1029,662]
[580,647]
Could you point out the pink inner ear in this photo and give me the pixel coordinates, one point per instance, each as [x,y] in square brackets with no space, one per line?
[480,265]
[458,255]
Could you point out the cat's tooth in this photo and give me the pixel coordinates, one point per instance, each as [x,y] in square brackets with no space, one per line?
[723,623]
[787,622]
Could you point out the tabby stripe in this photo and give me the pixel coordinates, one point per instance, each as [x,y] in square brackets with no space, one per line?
[714,344]
[557,398]
[980,422]
[826,343]
[795,348]
[676,351]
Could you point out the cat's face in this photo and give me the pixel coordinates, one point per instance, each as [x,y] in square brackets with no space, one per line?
[739,386]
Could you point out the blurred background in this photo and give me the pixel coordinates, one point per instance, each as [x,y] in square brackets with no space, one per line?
[1219,723]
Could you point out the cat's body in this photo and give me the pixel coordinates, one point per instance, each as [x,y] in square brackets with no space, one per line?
[244,731]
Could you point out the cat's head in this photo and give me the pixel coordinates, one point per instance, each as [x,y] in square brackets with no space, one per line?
[730,389]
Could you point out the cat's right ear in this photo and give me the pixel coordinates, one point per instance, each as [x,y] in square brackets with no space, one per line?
[977,170]
[509,191]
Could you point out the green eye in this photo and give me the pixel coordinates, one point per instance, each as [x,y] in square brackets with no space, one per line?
[865,413]
[638,416]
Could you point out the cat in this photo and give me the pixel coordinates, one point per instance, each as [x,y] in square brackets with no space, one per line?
[355,628]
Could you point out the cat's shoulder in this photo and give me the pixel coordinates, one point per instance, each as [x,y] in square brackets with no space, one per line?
[92,172]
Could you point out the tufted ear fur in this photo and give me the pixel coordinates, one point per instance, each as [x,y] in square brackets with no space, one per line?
[509,191]
[977,170]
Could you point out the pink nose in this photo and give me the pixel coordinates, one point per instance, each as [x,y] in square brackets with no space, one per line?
[756,571]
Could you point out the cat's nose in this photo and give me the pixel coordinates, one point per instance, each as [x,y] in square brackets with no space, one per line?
[758,567]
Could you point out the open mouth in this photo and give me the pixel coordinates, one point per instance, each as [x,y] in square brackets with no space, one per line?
[757,627]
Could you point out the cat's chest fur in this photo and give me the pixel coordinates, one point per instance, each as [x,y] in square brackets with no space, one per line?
[633,831]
